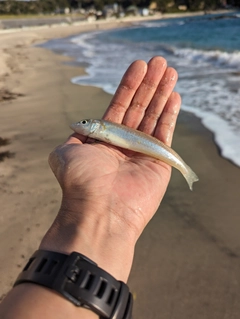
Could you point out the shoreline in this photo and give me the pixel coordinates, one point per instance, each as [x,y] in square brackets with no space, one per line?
[191,244]
[126,19]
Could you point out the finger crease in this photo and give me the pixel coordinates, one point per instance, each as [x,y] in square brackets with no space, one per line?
[150,85]
[117,107]
[152,116]
[127,87]
[162,96]
[169,125]
[136,106]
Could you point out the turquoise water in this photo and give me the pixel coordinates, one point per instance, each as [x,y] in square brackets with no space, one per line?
[207,32]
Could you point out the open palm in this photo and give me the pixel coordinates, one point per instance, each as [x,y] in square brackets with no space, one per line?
[113,179]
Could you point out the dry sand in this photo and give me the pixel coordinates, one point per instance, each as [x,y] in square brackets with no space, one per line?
[187,262]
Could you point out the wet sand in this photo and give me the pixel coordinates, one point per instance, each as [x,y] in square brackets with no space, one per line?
[187,260]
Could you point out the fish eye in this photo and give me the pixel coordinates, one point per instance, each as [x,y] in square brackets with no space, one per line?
[84,122]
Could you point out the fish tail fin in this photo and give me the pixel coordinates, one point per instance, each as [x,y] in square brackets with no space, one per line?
[190,177]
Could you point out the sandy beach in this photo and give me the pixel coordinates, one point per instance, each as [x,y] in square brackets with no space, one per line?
[187,260]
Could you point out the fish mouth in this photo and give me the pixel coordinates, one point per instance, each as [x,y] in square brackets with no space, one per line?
[72,126]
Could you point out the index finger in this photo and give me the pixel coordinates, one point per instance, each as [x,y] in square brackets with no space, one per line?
[125,92]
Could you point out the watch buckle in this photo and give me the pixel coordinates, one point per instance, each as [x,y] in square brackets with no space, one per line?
[69,272]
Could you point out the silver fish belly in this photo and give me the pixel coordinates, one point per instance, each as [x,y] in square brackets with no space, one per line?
[122,136]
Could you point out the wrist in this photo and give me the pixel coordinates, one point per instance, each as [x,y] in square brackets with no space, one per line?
[84,229]
[30,298]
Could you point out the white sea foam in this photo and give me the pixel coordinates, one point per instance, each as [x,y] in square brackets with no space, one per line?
[159,23]
[224,135]
[213,57]
[84,42]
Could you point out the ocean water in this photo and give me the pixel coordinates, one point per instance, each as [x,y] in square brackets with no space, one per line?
[205,50]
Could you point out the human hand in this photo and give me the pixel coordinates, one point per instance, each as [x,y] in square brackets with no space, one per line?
[109,195]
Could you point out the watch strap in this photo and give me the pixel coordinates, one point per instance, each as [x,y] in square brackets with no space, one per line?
[81,281]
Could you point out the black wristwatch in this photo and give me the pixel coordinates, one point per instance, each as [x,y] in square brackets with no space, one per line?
[81,281]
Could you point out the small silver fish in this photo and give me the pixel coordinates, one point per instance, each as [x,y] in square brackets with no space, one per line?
[134,140]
